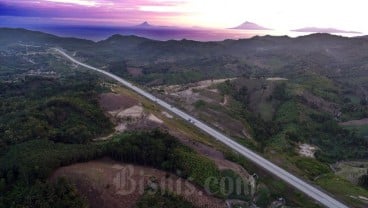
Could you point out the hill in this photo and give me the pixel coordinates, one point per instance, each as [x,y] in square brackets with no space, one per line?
[187,61]
[10,36]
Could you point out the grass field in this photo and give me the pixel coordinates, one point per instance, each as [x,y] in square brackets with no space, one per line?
[351,170]
[343,189]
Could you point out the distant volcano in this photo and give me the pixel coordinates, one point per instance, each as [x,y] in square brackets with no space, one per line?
[144,24]
[250,26]
[324,30]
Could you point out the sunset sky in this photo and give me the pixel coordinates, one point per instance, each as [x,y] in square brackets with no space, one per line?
[280,14]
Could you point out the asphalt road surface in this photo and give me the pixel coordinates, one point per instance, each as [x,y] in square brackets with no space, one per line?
[299,184]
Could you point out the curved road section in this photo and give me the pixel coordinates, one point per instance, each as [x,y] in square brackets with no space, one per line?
[299,184]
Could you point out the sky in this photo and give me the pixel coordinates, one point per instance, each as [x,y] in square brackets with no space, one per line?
[276,14]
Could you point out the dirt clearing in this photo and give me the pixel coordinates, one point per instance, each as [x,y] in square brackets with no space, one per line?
[113,102]
[107,183]
[135,72]
[307,150]
[360,122]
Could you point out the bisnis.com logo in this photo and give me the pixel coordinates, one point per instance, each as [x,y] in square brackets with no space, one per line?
[129,180]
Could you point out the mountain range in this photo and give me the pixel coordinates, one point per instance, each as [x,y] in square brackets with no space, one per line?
[330,55]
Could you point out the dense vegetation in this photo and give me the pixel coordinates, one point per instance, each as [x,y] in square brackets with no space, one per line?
[363,181]
[297,120]
[35,112]
[164,152]
[27,165]
[64,110]
[55,114]
[48,121]
[59,195]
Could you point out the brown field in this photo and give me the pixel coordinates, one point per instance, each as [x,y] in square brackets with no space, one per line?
[135,72]
[107,183]
[112,101]
[361,122]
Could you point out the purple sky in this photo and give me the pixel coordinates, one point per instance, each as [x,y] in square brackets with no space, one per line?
[112,12]
[282,15]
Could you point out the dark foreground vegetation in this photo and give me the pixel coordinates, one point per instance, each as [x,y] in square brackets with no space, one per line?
[39,117]
[62,110]
[49,123]
[25,167]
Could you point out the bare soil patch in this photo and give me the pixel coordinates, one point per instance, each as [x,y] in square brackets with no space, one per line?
[225,101]
[135,72]
[135,112]
[153,118]
[112,101]
[360,122]
[109,184]
[145,125]
[168,115]
[307,150]
[127,113]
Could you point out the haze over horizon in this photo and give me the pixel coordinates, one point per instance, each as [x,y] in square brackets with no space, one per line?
[282,15]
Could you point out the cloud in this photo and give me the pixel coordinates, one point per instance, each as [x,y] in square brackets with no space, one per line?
[98,8]
[93,11]
[77,2]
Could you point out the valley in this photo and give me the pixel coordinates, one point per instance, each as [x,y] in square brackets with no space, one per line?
[304,110]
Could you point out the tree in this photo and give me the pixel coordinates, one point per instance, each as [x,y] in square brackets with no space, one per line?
[363,180]
[363,101]
[242,95]
[2,185]
[280,92]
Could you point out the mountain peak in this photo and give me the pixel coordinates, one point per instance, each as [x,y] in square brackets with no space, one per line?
[250,26]
[144,24]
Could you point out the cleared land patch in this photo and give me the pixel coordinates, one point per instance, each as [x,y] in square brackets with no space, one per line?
[360,122]
[112,101]
[103,183]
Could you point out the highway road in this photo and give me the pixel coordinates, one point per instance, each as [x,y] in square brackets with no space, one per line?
[299,184]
